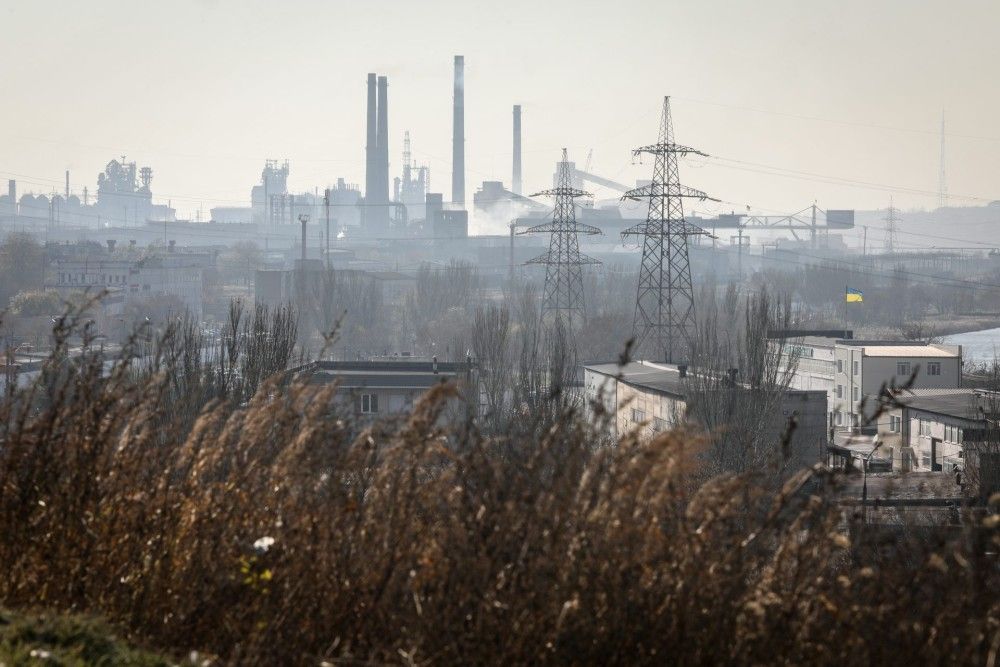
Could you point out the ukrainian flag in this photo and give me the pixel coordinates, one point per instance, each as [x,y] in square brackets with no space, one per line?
[853,296]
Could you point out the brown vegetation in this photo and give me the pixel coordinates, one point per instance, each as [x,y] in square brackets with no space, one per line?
[265,531]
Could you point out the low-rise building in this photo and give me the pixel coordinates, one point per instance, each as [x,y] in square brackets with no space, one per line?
[128,277]
[852,370]
[862,367]
[654,397]
[381,389]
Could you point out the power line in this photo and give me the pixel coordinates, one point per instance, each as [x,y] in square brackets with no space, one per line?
[836,121]
[830,180]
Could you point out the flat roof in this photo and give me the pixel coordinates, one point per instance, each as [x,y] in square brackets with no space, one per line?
[359,380]
[659,377]
[383,374]
[908,351]
[960,404]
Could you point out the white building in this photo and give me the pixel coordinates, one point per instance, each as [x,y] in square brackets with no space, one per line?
[851,370]
[653,397]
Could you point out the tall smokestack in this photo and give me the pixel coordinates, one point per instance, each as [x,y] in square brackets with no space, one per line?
[371,151]
[67,184]
[515,184]
[382,142]
[458,136]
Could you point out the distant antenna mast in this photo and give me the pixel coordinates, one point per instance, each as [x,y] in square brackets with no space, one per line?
[942,180]
[891,218]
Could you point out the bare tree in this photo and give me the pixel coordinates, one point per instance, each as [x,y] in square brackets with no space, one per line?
[491,349]
[738,380]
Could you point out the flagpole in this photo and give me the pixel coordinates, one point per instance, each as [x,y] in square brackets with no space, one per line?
[846,322]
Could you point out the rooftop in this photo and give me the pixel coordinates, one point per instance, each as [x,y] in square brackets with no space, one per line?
[961,403]
[384,374]
[659,377]
[909,350]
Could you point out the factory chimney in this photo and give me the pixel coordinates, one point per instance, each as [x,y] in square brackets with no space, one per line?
[12,193]
[382,142]
[67,184]
[371,150]
[515,183]
[458,136]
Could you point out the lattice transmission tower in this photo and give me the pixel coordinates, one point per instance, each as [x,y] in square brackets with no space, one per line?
[564,262]
[664,322]
[942,175]
[891,219]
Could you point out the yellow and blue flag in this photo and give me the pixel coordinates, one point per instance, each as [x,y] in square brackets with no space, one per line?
[853,296]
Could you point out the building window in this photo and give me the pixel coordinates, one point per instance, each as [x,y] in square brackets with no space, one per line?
[638,415]
[840,391]
[934,368]
[369,403]
[660,425]
[925,427]
[857,367]
[840,365]
[952,434]
[902,368]
[895,423]
[839,417]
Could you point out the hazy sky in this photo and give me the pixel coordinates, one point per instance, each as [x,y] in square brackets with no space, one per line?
[790,96]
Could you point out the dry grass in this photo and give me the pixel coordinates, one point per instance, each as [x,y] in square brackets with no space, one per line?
[423,546]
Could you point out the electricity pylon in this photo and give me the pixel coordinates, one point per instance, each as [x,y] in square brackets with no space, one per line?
[664,322]
[563,262]
[891,218]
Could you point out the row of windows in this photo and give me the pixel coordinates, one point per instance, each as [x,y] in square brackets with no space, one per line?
[904,368]
[70,278]
[659,424]
[856,392]
[840,367]
[952,434]
[844,418]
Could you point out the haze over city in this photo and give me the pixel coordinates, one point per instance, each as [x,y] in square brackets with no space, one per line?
[510,333]
[205,90]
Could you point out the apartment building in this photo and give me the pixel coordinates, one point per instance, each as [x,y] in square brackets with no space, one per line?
[862,367]
[653,397]
[850,370]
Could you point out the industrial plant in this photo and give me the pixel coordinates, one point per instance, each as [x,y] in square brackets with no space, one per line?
[453,333]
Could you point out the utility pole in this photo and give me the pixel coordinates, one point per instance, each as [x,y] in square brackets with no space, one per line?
[303,218]
[664,305]
[563,262]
